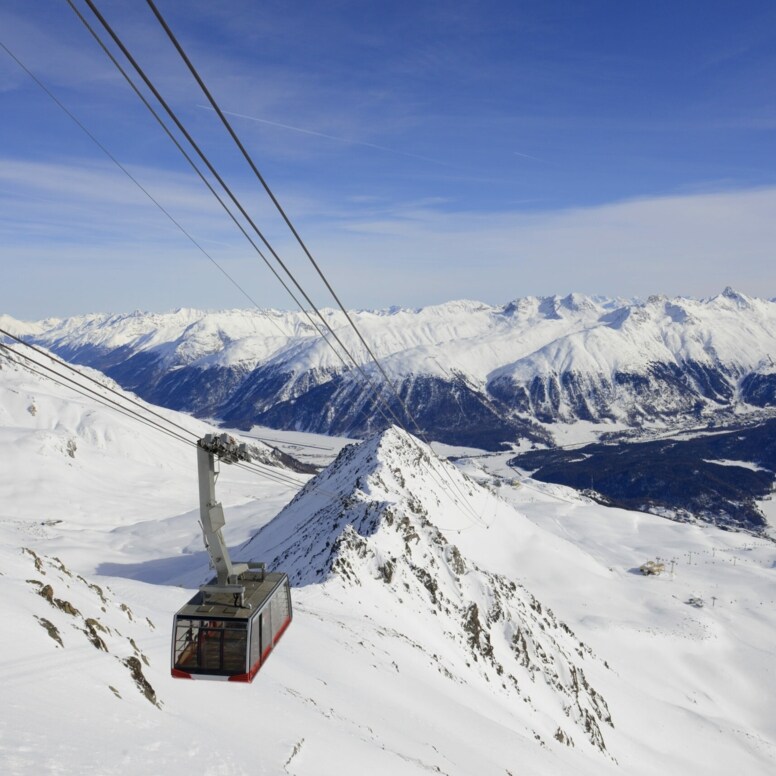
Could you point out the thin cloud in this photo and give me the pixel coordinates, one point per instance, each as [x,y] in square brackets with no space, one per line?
[87,218]
[332,137]
[683,244]
[528,156]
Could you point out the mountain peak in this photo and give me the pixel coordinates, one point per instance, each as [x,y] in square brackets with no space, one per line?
[577,302]
[376,523]
[736,297]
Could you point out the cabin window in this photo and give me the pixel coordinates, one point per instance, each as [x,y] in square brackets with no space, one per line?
[279,607]
[266,630]
[219,646]
[255,642]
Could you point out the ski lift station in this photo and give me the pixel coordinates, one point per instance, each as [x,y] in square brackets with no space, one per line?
[229,628]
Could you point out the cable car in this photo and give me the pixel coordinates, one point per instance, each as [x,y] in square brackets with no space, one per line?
[229,628]
[217,640]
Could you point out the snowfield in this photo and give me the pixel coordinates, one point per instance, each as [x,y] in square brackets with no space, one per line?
[447,619]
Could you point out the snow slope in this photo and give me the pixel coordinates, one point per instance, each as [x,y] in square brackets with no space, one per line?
[402,656]
[368,527]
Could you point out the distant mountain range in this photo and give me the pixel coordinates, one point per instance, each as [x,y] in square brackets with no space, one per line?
[471,374]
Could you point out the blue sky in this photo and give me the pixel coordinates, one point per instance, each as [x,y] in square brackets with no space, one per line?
[426,151]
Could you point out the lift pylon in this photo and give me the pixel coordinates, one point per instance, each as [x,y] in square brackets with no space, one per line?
[228,575]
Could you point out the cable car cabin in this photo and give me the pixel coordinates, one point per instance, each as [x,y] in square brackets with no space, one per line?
[214,637]
[232,624]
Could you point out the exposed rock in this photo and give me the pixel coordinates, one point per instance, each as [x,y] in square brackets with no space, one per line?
[51,629]
[498,632]
[47,592]
[92,626]
[36,558]
[136,670]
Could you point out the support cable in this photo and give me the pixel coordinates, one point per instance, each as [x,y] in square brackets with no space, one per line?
[155,202]
[249,466]
[132,177]
[149,84]
[210,167]
[277,205]
[273,442]
[58,378]
[64,364]
[268,474]
[91,393]
[142,97]
[68,382]
[192,69]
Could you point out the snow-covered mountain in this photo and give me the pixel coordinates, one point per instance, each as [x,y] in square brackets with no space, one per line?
[60,444]
[472,374]
[443,623]
[368,526]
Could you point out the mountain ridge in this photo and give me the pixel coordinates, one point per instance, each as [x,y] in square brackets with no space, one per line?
[472,374]
[368,523]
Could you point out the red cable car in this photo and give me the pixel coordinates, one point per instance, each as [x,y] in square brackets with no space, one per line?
[214,640]
[228,629]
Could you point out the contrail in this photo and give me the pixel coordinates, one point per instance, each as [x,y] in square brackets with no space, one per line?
[527,156]
[331,137]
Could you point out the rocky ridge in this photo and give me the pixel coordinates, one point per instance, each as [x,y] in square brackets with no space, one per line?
[370,523]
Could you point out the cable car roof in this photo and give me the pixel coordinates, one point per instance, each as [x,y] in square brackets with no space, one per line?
[257,593]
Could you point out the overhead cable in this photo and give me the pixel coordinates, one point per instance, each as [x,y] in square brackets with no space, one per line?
[117,40]
[210,167]
[129,174]
[70,367]
[68,382]
[277,205]
[192,69]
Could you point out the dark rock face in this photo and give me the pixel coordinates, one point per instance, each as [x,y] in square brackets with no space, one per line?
[759,389]
[662,391]
[272,397]
[192,389]
[447,411]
